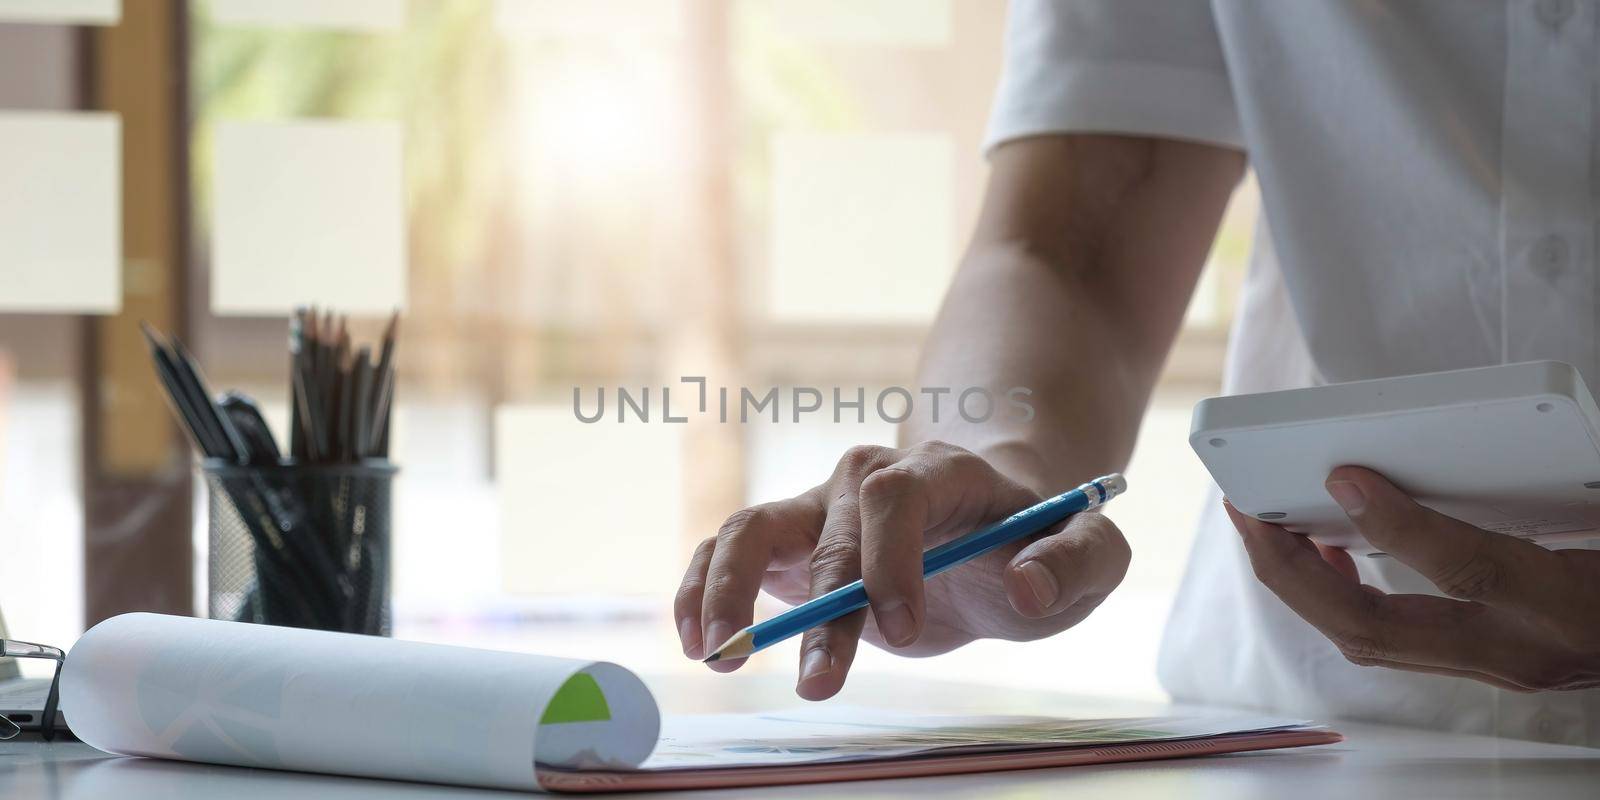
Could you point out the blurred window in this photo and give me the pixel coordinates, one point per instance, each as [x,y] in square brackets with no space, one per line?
[604,195]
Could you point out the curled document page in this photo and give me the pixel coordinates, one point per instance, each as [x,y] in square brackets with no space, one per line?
[827,734]
[283,698]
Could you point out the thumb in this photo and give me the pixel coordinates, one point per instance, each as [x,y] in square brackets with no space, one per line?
[1379,510]
[1083,562]
[1464,561]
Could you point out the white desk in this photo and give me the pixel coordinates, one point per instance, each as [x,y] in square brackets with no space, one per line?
[1374,761]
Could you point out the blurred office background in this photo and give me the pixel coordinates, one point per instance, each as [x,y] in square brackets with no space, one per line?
[557,194]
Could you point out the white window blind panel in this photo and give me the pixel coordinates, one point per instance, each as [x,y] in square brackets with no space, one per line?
[861,226]
[588,508]
[359,15]
[68,12]
[308,212]
[60,212]
[536,19]
[888,23]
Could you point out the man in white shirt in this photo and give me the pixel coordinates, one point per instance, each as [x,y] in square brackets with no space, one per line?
[1428,171]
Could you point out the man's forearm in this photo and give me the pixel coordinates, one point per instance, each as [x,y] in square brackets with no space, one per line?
[1013,321]
[1084,260]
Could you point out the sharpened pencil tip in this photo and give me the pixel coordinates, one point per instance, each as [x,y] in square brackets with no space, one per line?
[739,645]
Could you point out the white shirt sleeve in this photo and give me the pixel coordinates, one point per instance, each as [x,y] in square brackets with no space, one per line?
[1145,67]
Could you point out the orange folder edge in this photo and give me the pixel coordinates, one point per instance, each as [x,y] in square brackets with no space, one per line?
[923,766]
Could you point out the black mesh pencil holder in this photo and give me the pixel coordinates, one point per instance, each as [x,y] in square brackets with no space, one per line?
[301,545]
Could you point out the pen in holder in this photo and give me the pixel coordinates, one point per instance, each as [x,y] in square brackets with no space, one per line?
[302,545]
[300,540]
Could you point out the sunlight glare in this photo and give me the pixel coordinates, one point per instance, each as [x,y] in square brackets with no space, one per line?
[608,119]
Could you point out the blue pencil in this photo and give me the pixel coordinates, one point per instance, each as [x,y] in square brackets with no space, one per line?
[853,597]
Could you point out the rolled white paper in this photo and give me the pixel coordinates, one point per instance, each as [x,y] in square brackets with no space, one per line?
[285,698]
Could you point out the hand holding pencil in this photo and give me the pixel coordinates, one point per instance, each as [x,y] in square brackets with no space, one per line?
[872,520]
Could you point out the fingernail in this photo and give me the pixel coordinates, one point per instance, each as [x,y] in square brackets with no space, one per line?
[689,635]
[817,663]
[1040,582]
[896,624]
[1348,496]
[717,634]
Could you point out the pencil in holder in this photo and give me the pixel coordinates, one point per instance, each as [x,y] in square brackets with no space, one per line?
[301,545]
